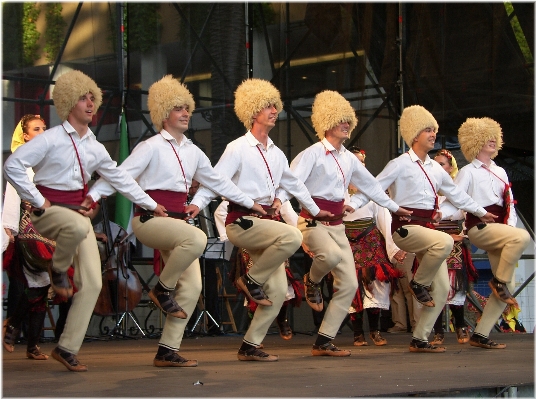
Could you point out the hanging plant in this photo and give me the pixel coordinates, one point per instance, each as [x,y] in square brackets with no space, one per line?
[54,32]
[267,11]
[30,35]
[143,27]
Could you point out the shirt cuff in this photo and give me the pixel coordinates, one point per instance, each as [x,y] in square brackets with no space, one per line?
[315,211]
[480,212]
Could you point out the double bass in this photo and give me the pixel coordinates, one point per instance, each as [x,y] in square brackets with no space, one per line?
[121,288]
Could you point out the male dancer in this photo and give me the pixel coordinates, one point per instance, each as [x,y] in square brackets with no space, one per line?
[63,159]
[413,181]
[259,168]
[327,168]
[165,166]
[480,140]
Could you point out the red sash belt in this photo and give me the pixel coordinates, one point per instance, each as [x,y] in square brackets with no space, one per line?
[234,211]
[420,213]
[472,220]
[75,197]
[326,205]
[173,201]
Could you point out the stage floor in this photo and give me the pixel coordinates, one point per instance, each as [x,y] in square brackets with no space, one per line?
[123,368]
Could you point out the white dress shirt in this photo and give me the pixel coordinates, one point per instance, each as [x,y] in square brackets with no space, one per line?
[409,187]
[327,173]
[258,172]
[53,158]
[484,187]
[155,166]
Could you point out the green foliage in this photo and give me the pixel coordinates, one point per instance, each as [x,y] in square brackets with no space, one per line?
[196,14]
[267,11]
[30,35]
[518,32]
[11,35]
[144,21]
[54,32]
[142,24]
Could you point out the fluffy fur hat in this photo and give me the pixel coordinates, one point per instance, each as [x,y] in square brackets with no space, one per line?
[69,88]
[415,119]
[166,94]
[329,109]
[253,95]
[474,133]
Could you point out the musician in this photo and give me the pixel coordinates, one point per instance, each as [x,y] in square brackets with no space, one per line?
[327,168]
[487,183]
[167,166]
[259,168]
[63,159]
[414,181]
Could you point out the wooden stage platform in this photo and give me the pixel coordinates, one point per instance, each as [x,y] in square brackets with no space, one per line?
[122,367]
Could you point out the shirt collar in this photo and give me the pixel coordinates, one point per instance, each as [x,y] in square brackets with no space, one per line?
[165,134]
[479,164]
[254,142]
[71,130]
[415,158]
[327,145]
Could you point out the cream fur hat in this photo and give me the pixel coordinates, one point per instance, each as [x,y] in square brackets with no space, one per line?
[329,109]
[253,95]
[69,88]
[474,133]
[166,94]
[415,119]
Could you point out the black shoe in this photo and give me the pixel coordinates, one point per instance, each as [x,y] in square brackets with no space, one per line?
[68,359]
[313,294]
[253,290]
[329,350]
[284,329]
[438,339]
[359,340]
[35,353]
[484,342]
[425,347]
[501,291]
[10,336]
[421,294]
[167,303]
[377,338]
[173,359]
[462,335]
[60,283]
[255,354]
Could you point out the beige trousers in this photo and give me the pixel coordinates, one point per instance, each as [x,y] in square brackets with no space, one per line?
[276,289]
[428,315]
[269,244]
[179,242]
[75,245]
[332,253]
[504,245]
[187,293]
[180,245]
[431,247]
[402,297]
